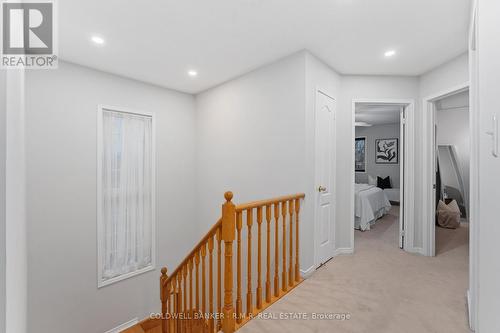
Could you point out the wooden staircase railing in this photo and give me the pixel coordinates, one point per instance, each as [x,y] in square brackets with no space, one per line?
[184,308]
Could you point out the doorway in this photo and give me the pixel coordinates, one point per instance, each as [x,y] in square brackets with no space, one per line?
[448,169]
[382,169]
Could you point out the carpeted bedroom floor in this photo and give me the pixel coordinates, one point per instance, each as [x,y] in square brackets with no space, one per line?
[382,288]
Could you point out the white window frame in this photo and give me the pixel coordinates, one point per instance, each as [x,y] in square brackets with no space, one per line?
[100,114]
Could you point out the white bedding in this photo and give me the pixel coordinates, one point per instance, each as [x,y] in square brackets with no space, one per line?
[392,194]
[370,203]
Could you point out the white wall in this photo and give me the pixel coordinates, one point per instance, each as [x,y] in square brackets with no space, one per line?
[372,133]
[251,138]
[3,130]
[448,75]
[254,137]
[61,197]
[15,204]
[488,272]
[360,87]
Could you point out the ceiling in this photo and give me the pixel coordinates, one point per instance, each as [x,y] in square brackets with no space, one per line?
[159,41]
[377,114]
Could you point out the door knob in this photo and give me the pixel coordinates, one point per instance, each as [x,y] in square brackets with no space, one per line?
[321,189]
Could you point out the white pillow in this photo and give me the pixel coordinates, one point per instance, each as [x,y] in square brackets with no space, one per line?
[372,180]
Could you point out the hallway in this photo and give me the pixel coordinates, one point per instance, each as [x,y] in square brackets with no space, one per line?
[382,288]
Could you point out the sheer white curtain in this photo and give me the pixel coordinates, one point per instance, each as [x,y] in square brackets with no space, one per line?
[127,198]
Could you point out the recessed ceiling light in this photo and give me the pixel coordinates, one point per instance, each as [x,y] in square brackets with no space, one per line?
[98,40]
[192,73]
[389,53]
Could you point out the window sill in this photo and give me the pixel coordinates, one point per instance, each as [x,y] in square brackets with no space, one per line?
[101,283]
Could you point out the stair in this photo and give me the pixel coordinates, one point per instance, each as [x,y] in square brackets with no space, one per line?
[206,282]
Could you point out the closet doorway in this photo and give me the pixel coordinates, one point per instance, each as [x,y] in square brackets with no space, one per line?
[449,162]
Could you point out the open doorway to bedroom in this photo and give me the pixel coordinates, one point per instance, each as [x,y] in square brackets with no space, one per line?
[380,158]
[450,158]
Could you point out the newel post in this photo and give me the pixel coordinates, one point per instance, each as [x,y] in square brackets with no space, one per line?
[228,234]
[164,296]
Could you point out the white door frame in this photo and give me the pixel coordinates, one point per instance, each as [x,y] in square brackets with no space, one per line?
[334,178]
[429,156]
[428,203]
[409,158]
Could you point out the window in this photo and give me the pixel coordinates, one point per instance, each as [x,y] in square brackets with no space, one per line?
[360,154]
[126,200]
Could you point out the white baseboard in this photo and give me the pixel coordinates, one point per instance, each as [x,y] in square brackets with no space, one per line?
[343,250]
[307,273]
[469,314]
[123,326]
[416,250]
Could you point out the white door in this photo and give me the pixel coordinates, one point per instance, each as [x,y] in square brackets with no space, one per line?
[325,214]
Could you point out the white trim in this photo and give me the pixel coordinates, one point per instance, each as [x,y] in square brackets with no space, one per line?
[469,310]
[344,250]
[428,177]
[334,172]
[307,273]
[474,225]
[409,151]
[123,326]
[100,109]
[415,250]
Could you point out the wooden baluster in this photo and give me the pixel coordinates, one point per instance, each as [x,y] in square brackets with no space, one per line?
[259,262]
[210,283]
[239,309]
[184,303]
[276,251]
[297,268]
[171,288]
[173,303]
[284,272]
[268,261]
[291,277]
[249,261]
[175,308]
[197,280]
[179,302]
[219,278]
[203,279]
[228,227]
[164,296]
[190,272]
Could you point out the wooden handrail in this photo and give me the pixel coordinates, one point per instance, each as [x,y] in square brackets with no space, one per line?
[266,202]
[181,304]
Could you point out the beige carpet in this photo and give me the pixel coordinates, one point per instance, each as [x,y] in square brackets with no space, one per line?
[381,288]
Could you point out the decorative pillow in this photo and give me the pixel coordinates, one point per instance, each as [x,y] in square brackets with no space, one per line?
[372,180]
[453,206]
[448,216]
[384,182]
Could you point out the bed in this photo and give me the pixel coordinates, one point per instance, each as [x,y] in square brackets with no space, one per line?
[370,204]
[392,194]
